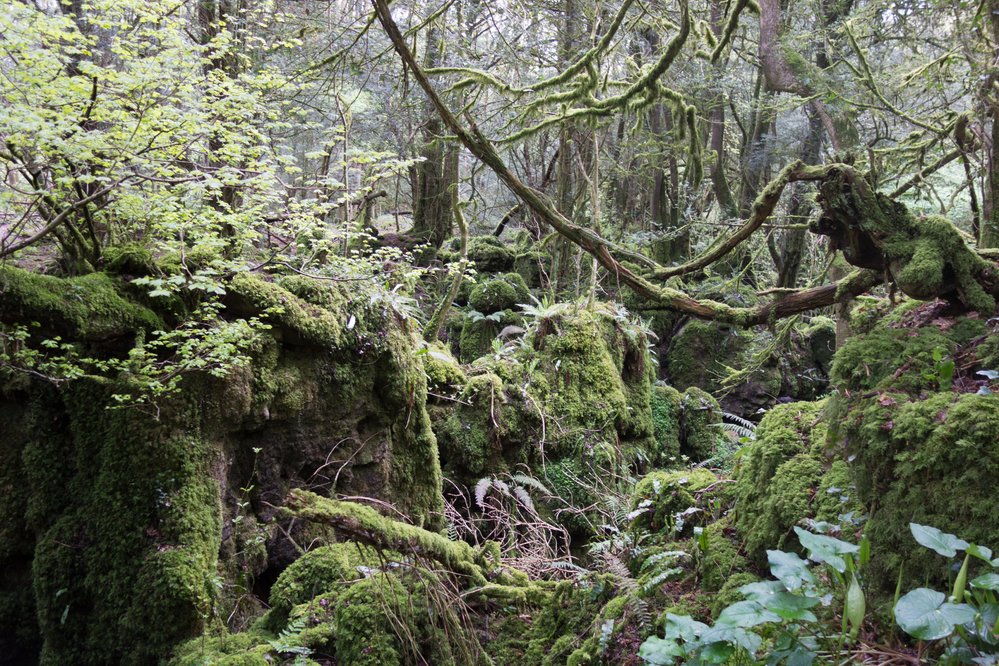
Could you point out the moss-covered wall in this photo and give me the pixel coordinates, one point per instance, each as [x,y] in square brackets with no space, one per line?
[113,520]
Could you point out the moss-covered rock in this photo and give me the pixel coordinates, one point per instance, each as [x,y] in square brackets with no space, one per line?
[666,406]
[780,476]
[660,497]
[503,292]
[123,537]
[721,559]
[320,570]
[921,449]
[700,421]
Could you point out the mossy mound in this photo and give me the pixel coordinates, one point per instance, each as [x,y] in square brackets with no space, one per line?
[320,570]
[489,253]
[503,292]
[783,477]
[661,499]
[122,538]
[920,436]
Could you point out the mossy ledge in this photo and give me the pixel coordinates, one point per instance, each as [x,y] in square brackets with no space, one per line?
[148,531]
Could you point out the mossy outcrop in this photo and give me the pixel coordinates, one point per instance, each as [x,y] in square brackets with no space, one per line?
[911,415]
[129,543]
[784,477]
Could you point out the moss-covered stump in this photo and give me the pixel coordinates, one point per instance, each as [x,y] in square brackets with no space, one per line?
[124,533]
[784,477]
[911,413]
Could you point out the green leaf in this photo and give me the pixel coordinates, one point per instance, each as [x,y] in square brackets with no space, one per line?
[989,581]
[683,627]
[937,541]
[826,549]
[660,651]
[789,569]
[745,614]
[925,614]
[981,552]
[719,635]
[772,596]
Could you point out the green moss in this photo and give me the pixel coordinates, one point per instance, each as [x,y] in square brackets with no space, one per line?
[721,560]
[701,352]
[129,259]
[476,337]
[445,377]
[666,406]
[663,495]
[139,540]
[88,307]
[729,593]
[493,296]
[490,254]
[318,571]
[931,461]
[700,418]
[779,474]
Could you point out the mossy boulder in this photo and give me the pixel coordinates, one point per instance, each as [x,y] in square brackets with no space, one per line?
[661,500]
[919,435]
[123,537]
[782,479]
[503,292]
[320,570]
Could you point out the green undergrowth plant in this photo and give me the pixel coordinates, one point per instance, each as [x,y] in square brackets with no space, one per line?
[814,610]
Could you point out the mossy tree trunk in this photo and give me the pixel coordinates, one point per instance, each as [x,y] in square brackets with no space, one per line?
[432,216]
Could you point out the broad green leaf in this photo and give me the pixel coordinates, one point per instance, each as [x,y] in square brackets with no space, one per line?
[981,552]
[925,614]
[822,548]
[773,597]
[989,581]
[937,541]
[745,614]
[660,651]
[720,634]
[683,627]
[789,569]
